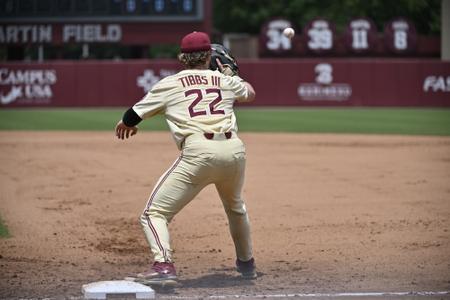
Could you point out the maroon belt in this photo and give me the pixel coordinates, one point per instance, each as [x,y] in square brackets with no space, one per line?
[210,136]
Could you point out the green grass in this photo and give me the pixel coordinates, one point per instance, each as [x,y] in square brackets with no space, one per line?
[408,121]
[3,229]
[353,120]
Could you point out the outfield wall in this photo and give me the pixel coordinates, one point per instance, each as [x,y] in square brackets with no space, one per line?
[282,82]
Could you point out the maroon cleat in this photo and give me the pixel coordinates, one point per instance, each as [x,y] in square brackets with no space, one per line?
[161,273]
[247,268]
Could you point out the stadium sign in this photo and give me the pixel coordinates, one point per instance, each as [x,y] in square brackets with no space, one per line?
[360,36]
[324,89]
[135,23]
[400,36]
[320,36]
[272,38]
[31,86]
[436,84]
[17,34]
[92,33]
[25,33]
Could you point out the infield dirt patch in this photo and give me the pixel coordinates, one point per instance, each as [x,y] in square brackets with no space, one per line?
[329,213]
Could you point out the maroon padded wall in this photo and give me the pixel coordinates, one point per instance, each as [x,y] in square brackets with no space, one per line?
[278,82]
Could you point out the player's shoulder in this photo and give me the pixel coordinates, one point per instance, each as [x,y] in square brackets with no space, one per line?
[169,78]
[231,80]
[228,81]
[167,82]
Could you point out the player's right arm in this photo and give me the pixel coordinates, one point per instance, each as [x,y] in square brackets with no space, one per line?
[251,94]
[150,105]
[244,91]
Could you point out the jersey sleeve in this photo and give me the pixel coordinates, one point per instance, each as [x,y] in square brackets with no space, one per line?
[237,86]
[153,103]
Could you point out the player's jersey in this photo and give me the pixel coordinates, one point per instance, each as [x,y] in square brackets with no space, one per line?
[194,101]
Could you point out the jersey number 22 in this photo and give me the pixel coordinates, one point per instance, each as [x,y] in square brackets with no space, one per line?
[212,105]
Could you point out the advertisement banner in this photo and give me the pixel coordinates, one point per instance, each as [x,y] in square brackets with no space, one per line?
[278,82]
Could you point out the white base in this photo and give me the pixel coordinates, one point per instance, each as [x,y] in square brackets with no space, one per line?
[100,289]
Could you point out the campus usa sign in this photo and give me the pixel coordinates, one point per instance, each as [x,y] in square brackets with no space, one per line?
[79,84]
[27,86]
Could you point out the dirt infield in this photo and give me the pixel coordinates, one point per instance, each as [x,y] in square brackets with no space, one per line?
[330,213]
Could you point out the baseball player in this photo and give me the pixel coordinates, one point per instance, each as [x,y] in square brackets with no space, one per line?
[198,105]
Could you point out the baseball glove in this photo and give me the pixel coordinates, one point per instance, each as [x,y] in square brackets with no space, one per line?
[229,64]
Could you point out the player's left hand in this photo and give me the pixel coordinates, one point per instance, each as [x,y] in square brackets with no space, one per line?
[123,131]
[225,69]
[223,61]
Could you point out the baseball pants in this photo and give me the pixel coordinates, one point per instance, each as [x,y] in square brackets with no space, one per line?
[219,161]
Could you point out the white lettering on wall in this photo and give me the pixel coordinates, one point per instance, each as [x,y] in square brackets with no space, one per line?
[26,86]
[400,35]
[320,36]
[324,89]
[92,33]
[360,29]
[277,40]
[436,84]
[86,33]
[26,34]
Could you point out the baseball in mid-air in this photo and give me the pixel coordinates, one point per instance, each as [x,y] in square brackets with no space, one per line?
[289,32]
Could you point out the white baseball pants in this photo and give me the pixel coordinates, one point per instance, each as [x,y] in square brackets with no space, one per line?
[219,161]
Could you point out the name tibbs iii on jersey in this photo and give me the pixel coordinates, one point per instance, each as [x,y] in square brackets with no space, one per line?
[199,80]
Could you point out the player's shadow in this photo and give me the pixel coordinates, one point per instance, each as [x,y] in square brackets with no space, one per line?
[216,281]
